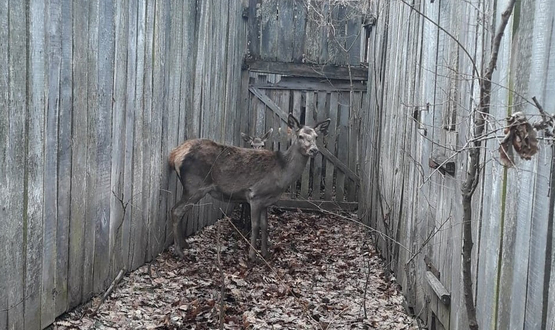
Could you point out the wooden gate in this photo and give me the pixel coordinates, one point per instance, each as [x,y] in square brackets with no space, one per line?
[330,181]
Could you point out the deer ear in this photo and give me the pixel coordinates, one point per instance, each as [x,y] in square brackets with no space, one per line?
[267,135]
[245,137]
[292,122]
[323,126]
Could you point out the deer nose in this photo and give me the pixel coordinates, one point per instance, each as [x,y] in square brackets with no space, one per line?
[313,151]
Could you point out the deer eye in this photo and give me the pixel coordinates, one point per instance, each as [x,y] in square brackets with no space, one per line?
[301,137]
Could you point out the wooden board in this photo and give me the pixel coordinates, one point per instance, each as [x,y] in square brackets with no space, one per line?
[17,112]
[64,156]
[35,169]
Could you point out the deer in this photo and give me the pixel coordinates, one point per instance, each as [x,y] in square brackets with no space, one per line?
[234,174]
[257,142]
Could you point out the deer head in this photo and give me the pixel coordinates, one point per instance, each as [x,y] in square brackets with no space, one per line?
[257,142]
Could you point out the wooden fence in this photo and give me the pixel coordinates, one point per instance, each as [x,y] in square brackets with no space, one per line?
[422,89]
[93,95]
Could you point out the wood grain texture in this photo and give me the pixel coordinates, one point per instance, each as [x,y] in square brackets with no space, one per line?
[34,167]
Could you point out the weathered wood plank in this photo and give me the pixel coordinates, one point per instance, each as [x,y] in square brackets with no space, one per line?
[285,20]
[17,112]
[309,120]
[354,121]
[4,161]
[174,98]
[299,31]
[34,166]
[48,309]
[314,84]
[64,157]
[141,210]
[120,190]
[92,106]
[319,115]
[330,145]
[157,199]
[103,146]
[438,288]
[310,71]
[342,142]
[132,110]
[296,111]
[79,180]
[269,17]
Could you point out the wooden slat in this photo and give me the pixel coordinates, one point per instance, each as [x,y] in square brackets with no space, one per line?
[132,110]
[104,147]
[92,106]
[313,84]
[355,109]
[120,192]
[4,161]
[331,139]
[296,111]
[79,180]
[64,157]
[311,71]
[309,120]
[17,111]
[35,169]
[158,113]
[299,32]
[48,309]
[320,115]
[342,142]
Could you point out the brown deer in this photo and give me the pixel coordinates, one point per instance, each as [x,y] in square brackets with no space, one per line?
[257,142]
[235,174]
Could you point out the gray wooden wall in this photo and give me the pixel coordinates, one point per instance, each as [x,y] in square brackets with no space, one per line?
[93,96]
[422,89]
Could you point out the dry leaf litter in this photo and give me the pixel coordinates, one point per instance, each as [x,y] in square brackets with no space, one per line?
[316,279]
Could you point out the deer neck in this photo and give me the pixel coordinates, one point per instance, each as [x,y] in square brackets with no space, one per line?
[295,162]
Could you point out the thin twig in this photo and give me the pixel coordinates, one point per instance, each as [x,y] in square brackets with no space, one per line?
[110,289]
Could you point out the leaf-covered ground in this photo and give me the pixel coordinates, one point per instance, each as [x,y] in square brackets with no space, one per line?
[322,274]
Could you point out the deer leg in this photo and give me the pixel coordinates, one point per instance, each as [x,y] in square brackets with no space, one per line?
[178,212]
[264,232]
[255,226]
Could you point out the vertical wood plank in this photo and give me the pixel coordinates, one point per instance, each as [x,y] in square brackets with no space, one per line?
[174,98]
[142,213]
[34,167]
[354,120]
[342,142]
[299,30]
[64,157]
[296,111]
[92,106]
[79,180]
[120,190]
[320,115]
[16,111]
[104,146]
[133,109]
[309,120]
[4,161]
[48,310]
[331,142]
[157,118]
